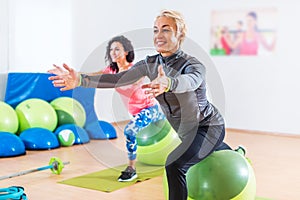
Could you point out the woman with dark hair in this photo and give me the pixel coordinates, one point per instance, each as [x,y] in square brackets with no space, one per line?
[128,48]
[120,56]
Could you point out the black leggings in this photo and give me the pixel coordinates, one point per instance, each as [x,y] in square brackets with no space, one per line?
[191,151]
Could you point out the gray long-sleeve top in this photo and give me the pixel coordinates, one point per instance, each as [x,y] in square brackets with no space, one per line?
[185,104]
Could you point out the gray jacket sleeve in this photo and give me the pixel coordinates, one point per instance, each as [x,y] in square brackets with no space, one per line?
[115,80]
[191,78]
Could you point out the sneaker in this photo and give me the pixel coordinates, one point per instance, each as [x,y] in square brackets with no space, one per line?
[128,174]
[241,150]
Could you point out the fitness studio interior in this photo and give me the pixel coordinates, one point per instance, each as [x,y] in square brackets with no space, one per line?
[65,145]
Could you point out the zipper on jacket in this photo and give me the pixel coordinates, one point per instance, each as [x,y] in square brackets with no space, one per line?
[165,65]
[167,103]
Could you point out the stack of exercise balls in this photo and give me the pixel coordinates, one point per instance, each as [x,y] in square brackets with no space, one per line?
[10,144]
[36,124]
[155,142]
[36,121]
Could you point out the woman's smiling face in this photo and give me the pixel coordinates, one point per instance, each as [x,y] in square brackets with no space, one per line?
[117,52]
[165,36]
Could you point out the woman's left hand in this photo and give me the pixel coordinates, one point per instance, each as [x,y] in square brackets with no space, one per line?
[158,85]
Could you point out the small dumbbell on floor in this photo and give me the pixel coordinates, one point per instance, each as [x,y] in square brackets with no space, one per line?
[55,165]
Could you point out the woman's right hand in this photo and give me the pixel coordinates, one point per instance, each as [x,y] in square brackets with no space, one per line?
[159,85]
[66,78]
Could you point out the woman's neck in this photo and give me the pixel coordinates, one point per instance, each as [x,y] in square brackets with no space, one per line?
[123,66]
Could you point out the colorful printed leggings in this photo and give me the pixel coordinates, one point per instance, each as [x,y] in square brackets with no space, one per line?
[140,121]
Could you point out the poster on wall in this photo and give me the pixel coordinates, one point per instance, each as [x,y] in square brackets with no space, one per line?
[243,32]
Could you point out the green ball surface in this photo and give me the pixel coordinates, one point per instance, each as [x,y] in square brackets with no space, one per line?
[34,113]
[8,118]
[69,111]
[222,175]
[66,137]
[156,154]
[153,133]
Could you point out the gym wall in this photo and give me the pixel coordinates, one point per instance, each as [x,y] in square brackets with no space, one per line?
[261,93]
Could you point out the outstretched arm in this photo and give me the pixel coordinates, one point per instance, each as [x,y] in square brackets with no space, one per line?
[66,78]
[123,78]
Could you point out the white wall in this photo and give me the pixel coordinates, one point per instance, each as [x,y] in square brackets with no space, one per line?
[4,35]
[261,92]
[106,20]
[95,22]
[3,46]
[40,34]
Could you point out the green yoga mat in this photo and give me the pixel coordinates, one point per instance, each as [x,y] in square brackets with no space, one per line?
[107,180]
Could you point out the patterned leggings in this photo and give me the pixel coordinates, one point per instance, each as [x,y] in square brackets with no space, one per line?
[140,121]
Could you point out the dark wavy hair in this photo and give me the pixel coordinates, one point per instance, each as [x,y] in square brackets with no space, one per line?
[252,14]
[126,43]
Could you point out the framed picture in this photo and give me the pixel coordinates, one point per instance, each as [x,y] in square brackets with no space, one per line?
[243,32]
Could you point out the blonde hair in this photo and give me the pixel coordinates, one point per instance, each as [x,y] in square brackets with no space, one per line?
[179,21]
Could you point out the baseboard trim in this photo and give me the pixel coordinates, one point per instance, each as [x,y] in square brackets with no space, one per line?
[246,131]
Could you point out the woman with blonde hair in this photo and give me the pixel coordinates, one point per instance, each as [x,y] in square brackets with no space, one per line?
[178,83]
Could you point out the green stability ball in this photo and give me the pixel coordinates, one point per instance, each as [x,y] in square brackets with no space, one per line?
[34,113]
[155,144]
[8,118]
[222,175]
[66,137]
[69,111]
[153,133]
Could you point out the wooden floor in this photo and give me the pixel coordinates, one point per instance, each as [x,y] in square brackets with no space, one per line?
[275,159]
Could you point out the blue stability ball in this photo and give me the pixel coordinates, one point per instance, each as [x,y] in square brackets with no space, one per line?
[104,130]
[39,139]
[81,136]
[11,145]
